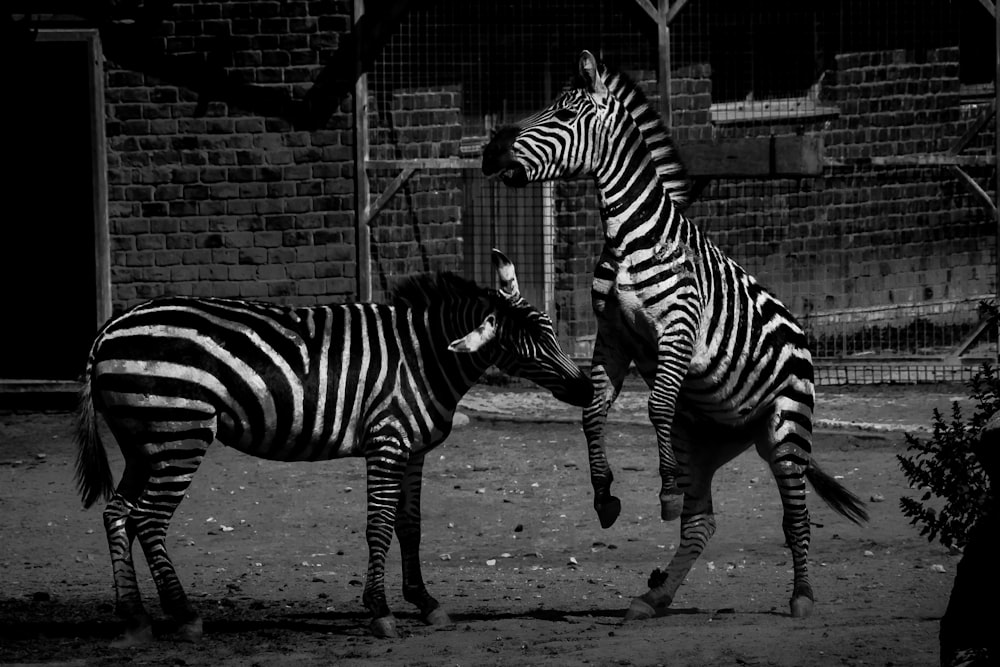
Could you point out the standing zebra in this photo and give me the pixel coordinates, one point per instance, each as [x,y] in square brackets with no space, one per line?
[725,361]
[297,384]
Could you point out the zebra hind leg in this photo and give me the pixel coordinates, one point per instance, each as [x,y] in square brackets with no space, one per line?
[171,474]
[408,534]
[785,446]
[697,465]
[120,528]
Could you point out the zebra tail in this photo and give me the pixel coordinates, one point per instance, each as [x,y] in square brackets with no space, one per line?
[836,495]
[93,474]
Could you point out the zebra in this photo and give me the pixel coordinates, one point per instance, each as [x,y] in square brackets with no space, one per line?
[725,361]
[379,381]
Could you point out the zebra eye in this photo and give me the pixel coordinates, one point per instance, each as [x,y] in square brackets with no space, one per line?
[565,115]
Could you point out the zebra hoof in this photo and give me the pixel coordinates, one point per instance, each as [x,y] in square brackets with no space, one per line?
[671,506]
[437,616]
[608,512]
[639,610]
[191,631]
[801,606]
[385,627]
[134,637]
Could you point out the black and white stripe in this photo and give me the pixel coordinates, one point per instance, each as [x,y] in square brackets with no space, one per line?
[297,384]
[726,362]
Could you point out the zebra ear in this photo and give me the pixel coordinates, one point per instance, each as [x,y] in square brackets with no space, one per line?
[591,73]
[505,272]
[477,338]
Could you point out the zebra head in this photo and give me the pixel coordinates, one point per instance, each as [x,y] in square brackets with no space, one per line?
[521,341]
[568,138]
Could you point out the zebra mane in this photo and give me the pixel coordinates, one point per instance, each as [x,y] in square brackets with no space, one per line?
[428,289]
[667,161]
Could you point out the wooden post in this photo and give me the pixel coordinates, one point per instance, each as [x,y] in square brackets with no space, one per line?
[663,62]
[362,231]
[996,152]
[102,238]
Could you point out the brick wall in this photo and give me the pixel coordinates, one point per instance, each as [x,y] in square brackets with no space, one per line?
[227,197]
[420,228]
[860,243]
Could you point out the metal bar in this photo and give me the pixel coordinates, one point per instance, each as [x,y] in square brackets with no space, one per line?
[981,195]
[362,235]
[990,7]
[390,192]
[926,160]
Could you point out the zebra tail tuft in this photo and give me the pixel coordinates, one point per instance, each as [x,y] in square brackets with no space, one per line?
[93,474]
[836,495]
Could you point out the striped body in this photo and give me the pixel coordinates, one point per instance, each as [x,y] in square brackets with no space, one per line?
[725,361]
[283,382]
[297,384]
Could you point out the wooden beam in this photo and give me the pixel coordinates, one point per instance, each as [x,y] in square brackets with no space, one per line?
[427,163]
[663,74]
[362,229]
[989,6]
[974,129]
[650,9]
[99,165]
[390,192]
[758,157]
[675,10]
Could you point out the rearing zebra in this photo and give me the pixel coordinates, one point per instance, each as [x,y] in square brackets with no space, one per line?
[297,384]
[725,361]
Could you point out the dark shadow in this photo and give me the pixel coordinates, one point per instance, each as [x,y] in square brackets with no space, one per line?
[132,37]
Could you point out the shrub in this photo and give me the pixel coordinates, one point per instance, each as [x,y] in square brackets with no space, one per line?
[945,466]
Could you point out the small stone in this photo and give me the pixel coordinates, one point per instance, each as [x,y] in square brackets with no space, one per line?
[445,556]
[877,498]
[937,568]
[869,553]
[491,562]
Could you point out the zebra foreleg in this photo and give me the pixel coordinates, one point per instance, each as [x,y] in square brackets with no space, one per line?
[386,462]
[608,371]
[408,534]
[674,349]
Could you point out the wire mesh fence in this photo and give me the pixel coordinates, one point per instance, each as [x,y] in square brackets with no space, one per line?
[884,256]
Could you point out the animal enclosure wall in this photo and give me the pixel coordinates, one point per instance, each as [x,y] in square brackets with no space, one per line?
[884,256]
[229,136]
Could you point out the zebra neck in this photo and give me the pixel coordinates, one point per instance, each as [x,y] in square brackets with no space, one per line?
[639,215]
[459,370]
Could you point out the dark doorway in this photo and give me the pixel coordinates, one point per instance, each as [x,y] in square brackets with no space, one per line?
[48,277]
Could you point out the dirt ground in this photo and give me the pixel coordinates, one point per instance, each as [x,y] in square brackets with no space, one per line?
[274,556]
